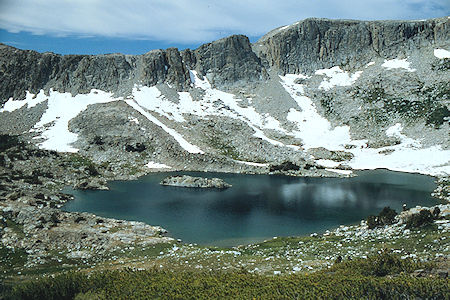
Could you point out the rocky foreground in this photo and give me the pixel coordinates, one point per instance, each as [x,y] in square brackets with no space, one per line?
[195,182]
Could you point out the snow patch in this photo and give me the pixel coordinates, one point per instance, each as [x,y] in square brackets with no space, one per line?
[151,99]
[408,156]
[154,165]
[316,131]
[432,161]
[178,137]
[327,163]
[370,64]
[61,108]
[396,131]
[398,64]
[249,163]
[219,103]
[343,172]
[31,100]
[199,83]
[133,120]
[336,77]
[441,53]
[313,129]
[214,103]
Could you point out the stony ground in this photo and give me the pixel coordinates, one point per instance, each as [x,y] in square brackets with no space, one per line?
[304,254]
[37,237]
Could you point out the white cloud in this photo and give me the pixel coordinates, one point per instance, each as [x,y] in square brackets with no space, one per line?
[194,20]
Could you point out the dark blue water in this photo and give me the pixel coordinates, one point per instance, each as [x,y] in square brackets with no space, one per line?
[257,206]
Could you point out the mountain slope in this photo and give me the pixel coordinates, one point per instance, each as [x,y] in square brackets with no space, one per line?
[321,93]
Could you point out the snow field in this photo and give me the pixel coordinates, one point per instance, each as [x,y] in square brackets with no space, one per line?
[336,77]
[398,64]
[441,53]
[313,129]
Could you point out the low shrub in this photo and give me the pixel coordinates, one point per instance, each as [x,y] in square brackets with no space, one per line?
[139,147]
[385,217]
[284,166]
[9,141]
[358,279]
[382,264]
[423,218]
[98,140]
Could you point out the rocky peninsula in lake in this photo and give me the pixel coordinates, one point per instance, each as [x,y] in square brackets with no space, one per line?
[195,182]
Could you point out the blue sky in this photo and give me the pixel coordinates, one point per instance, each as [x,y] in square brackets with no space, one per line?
[137,26]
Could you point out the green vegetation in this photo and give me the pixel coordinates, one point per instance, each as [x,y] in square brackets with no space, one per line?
[298,260]
[11,258]
[132,169]
[327,103]
[362,278]
[15,227]
[423,218]
[438,116]
[12,147]
[385,217]
[9,141]
[224,148]
[77,161]
[374,95]
[284,166]
[382,264]
[441,65]
[427,106]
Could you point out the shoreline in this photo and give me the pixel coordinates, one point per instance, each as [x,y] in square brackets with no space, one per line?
[38,232]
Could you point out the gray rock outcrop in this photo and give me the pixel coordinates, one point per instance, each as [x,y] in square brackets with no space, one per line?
[225,61]
[321,43]
[195,182]
[302,47]
[228,61]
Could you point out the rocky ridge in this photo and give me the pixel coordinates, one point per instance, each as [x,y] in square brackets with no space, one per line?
[299,48]
[225,61]
[314,44]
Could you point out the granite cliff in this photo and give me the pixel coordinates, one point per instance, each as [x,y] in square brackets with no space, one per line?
[302,47]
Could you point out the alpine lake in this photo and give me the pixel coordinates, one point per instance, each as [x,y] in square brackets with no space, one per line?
[256,207]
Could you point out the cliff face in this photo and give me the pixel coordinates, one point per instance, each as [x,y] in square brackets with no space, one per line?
[31,71]
[224,62]
[319,43]
[228,61]
[299,48]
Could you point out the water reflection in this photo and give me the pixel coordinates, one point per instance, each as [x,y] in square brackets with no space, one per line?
[256,207]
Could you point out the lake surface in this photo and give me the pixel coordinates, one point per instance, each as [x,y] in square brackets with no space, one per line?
[257,207]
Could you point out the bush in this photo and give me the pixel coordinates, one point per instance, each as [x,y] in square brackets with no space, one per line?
[139,147]
[423,218]
[372,222]
[78,161]
[382,264]
[359,279]
[436,212]
[8,141]
[285,166]
[385,217]
[98,140]
[92,170]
